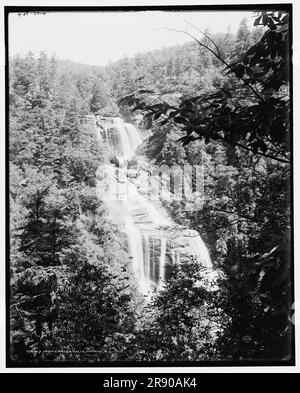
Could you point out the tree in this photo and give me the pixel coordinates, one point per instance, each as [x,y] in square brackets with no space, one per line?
[183,318]
[242,114]
[245,217]
[62,243]
[95,309]
[102,101]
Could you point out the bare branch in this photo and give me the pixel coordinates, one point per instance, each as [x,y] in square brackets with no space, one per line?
[27,300]
[205,35]
[245,81]
[249,149]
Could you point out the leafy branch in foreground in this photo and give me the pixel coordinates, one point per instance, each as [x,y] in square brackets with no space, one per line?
[251,111]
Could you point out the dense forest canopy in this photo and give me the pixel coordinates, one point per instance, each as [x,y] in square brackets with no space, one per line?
[221,101]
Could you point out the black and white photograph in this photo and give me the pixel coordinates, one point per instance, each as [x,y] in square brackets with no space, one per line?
[149,154]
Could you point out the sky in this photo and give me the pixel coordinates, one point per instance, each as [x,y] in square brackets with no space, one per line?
[98,38]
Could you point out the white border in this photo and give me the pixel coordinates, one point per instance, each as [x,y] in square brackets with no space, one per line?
[150,370]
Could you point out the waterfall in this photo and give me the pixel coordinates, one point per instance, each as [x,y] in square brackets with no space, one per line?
[146,257]
[135,246]
[201,251]
[155,242]
[121,138]
[133,135]
[162,261]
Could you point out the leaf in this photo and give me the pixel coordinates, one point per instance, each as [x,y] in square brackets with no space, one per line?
[263,147]
[157,115]
[187,139]
[272,24]
[130,101]
[140,106]
[148,123]
[164,122]
[265,19]
[179,120]
[172,114]
[257,21]
[124,100]
[145,91]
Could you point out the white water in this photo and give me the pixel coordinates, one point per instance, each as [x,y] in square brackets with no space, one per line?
[121,138]
[162,260]
[135,248]
[154,240]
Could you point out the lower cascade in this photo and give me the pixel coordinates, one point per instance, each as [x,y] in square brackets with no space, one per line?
[155,242]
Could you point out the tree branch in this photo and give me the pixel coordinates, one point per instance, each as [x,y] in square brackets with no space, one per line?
[245,81]
[249,149]
[205,35]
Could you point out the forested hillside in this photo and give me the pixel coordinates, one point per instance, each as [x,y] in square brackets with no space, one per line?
[69,281]
[73,297]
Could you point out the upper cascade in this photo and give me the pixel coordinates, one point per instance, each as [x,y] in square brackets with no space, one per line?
[121,138]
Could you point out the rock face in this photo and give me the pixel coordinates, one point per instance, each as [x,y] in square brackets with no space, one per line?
[155,242]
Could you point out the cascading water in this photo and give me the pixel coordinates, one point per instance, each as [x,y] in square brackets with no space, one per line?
[135,247]
[162,260]
[121,138]
[155,242]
